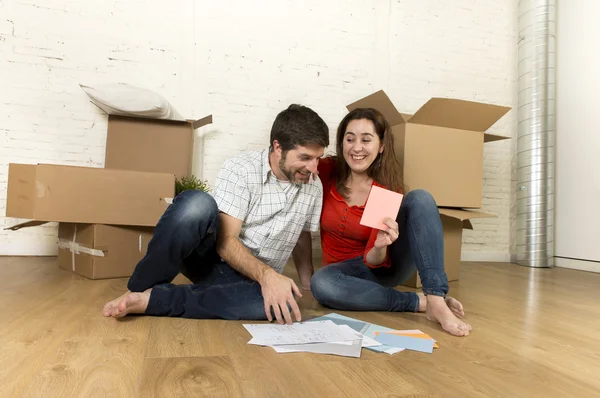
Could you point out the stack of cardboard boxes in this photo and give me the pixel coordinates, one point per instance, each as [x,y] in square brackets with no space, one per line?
[440,149]
[107,216]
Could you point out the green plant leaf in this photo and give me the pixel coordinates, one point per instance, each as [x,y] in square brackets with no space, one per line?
[191,183]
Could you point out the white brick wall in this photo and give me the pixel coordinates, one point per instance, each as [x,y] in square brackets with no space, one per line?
[244,63]
[46,49]
[464,49]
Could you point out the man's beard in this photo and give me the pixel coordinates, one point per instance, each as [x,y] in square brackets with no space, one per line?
[288,173]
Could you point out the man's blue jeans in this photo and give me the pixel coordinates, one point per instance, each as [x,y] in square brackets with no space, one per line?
[352,286]
[185,241]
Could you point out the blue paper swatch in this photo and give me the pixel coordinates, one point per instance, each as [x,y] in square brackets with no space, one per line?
[410,343]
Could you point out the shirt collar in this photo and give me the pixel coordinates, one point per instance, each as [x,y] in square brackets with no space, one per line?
[266,167]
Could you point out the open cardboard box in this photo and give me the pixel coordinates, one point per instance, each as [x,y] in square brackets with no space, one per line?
[153,145]
[144,143]
[90,195]
[440,147]
[145,135]
[453,223]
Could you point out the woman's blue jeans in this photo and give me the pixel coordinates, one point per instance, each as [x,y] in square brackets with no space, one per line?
[352,286]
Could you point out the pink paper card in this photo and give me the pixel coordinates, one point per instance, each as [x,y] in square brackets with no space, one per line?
[381,203]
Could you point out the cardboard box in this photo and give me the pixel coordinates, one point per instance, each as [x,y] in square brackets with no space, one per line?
[440,147]
[101,251]
[98,251]
[153,145]
[453,223]
[87,195]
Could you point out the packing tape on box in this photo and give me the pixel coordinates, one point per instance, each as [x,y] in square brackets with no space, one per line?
[77,248]
[72,252]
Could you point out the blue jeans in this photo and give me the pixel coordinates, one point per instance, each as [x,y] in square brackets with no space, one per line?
[185,241]
[351,285]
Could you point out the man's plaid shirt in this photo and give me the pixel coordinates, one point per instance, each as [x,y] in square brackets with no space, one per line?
[273,213]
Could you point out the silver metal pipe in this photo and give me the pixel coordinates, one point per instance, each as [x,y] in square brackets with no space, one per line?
[536,133]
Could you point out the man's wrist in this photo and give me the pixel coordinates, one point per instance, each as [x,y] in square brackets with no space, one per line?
[264,273]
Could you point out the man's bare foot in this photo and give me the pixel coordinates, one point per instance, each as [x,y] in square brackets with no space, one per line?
[438,311]
[128,303]
[112,305]
[455,306]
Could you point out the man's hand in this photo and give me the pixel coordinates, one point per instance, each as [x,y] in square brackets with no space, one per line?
[277,291]
[386,237]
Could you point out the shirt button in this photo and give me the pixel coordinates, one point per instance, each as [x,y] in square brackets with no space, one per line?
[344,218]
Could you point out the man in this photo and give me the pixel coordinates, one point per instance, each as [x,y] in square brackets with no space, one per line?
[233,247]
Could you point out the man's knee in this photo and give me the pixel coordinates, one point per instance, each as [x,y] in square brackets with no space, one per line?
[195,206]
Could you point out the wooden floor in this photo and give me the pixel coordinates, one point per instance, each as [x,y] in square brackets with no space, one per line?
[535,335]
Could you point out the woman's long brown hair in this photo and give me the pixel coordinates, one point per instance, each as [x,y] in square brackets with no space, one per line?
[385,169]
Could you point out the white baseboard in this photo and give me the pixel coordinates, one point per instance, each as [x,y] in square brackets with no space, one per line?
[581,265]
[497,257]
[27,249]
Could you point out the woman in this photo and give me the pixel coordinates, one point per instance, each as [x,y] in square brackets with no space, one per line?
[361,265]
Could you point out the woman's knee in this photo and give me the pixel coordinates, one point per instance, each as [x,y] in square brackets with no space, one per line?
[419,202]
[420,197]
[323,284]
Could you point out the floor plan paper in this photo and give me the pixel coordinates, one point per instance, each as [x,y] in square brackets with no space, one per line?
[352,350]
[324,331]
[367,329]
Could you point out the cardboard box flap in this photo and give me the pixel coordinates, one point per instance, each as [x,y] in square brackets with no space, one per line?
[196,124]
[406,116]
[33,223]
[193,122]
[493,137]
[150,120]
[383,104]
[459,114]
[464,215]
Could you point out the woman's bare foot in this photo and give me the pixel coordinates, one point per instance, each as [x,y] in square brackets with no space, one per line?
[438,311]
[455,306]
[128,303]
